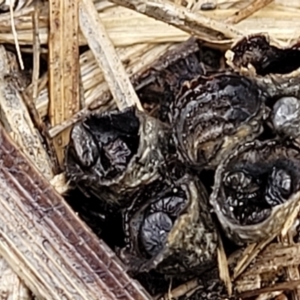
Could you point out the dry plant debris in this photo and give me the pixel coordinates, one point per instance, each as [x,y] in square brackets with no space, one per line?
[139,58]
[194,23]
[15,116]
[50,248]
[250,9]
[105,86]
[106,56]
[63,67]
[11,286]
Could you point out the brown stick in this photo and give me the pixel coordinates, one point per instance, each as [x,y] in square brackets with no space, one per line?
[15,116]
[290,285]
[106,56]
[144,61]
[196,24]
[249,10]
[63,67]
[46,243]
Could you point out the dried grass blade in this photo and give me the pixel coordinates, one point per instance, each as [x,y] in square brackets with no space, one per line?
[194,23]
[250,9]
[249,254]
[223,267]
[63,67]
[121,24]
[36,63]
[290,285]
[106,56]
[45,242]
[180,291]
[101,90]
[13,28]
[16,119]
[11,286]
[273,257]
[88,67]
[287,238]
